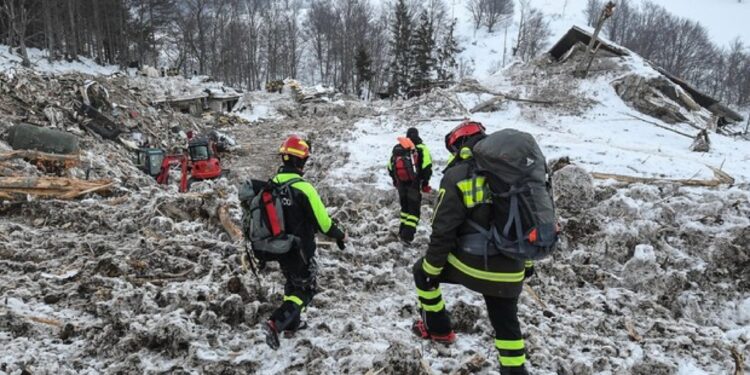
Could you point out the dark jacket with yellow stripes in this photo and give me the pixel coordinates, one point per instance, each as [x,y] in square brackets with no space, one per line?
[424,169]
[464,195]
[307,214]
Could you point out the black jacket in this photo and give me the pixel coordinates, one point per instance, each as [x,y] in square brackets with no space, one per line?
[307,214]
[462,196]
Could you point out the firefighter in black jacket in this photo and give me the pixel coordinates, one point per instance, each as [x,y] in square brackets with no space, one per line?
[410,168]
[304,215]
[462,196]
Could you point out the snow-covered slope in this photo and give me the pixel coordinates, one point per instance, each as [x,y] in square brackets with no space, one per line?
[39,62]
[724,19]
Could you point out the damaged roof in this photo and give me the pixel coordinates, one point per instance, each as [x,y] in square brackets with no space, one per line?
[578,34]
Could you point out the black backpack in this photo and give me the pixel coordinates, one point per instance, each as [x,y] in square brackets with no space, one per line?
[405,163]
[525,223]
[263,221]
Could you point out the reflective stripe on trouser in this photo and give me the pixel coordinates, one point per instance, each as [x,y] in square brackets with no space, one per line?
[512,352]
[409,220]
[431,303]
[410,199]
[430,300]
[503,314]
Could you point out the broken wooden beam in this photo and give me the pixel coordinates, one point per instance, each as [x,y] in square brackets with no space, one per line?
[17,188]
[230,227]
[720,178]
[39,156]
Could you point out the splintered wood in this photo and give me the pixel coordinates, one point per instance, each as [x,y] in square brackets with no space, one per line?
[42,160]
[17,188]
[720,178]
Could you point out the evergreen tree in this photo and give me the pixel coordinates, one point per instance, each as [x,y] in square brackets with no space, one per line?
[401,64]
[446,56]
[363,64]
[423,63]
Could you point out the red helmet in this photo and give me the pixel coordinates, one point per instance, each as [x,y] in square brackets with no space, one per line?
[295,146]
[467,128]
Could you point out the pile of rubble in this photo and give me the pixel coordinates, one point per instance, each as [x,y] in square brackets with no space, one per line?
[99,120]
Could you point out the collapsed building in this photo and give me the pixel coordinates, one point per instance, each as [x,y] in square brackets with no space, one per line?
[658,94]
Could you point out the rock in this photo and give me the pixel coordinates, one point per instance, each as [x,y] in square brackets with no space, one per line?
[399,359]
[233,310]
[235,286]
[573,188]
[67,331]
[465,317]
[51,299]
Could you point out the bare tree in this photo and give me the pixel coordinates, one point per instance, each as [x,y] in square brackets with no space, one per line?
[533,32]
[591,12]
[497,11]
[477,9]
[18,14]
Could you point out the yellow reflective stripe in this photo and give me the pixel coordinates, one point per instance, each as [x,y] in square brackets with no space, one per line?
[500,277]
[292,151]
[509,344]
[529,263]
[409,217]
[426,157]
[319,209]
[473,191]
[294,299]
[513,361]
[433,308]
[430,269]
[408,223]
[429,294]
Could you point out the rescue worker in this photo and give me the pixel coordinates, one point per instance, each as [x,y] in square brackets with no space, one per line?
[411,177]
[463,196]
[304,215]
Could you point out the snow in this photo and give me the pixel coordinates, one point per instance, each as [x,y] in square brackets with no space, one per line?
[724,19]
[644,253]
[11,61]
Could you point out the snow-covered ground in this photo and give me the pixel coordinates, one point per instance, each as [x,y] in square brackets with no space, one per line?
[10,61]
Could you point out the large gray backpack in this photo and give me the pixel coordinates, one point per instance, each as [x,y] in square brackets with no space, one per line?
[525,224]
[263,221]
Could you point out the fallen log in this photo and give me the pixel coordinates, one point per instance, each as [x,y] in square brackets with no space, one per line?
[17,188]
[720,178]
[230,227]
[42,159]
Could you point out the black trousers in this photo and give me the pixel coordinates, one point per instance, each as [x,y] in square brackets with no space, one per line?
[299,288]
[503,314]
[410,197]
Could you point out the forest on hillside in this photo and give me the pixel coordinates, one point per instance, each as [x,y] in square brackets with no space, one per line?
[399,47]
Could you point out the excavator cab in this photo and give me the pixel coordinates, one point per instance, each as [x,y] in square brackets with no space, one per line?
[149,160]
[205,163]
[199,150]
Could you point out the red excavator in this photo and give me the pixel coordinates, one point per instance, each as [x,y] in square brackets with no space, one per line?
[200,162]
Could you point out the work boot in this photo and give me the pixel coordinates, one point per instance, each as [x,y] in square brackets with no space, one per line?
[420,330]
[272,334]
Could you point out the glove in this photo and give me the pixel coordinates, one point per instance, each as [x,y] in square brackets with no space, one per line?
[529,272]
[426,189]
[341,242]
